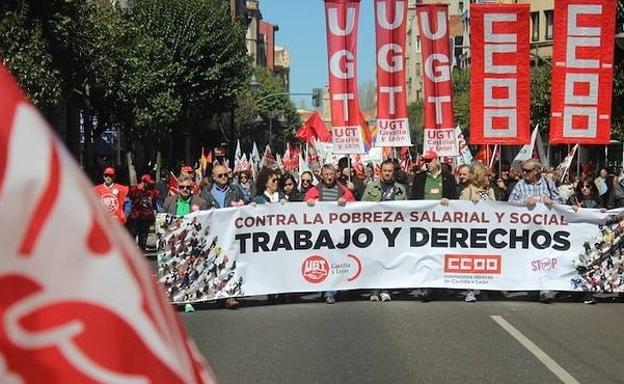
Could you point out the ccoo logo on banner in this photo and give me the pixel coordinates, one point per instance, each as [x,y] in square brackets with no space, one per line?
[582,75]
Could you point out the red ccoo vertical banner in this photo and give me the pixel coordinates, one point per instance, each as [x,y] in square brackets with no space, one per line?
[499,74]
[392,116]
[582,71]
[342,29]
[439,122]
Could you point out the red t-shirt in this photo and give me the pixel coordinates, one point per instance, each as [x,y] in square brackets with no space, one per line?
[112,199]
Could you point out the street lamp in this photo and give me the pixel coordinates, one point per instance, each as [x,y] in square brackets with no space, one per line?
[271,115]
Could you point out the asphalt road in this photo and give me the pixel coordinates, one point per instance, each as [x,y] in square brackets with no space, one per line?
[407,341]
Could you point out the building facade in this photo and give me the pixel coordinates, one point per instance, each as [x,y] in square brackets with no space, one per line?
[282,65]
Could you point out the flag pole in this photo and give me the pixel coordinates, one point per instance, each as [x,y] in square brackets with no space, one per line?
[578,162]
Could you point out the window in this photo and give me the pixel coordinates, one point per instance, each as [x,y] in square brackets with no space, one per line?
[417,43]
[535,26]
[417,66]
[461,7]
[418,95]
[549,25]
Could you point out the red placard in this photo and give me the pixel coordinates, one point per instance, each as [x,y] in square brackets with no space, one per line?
[392,116]
[499,74]
[434,36]
[342,29]
[582,71]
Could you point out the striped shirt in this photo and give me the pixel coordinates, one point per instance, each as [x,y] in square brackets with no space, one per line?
[329,194]
[543,188]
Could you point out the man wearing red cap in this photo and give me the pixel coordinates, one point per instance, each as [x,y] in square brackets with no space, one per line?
[112,195]
[142,216]
[433,183]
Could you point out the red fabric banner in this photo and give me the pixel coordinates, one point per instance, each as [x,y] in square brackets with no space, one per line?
[342,29]
[392,115]
[313,129]
[78,303]
[439,122]
[582,75]
[500,80]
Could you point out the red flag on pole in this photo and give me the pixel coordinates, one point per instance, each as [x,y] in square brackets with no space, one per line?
[78,302]
[313,128]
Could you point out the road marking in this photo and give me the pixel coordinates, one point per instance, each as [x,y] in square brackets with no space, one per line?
[551,364]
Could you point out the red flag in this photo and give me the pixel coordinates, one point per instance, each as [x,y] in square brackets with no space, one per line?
[313,128]
[582,71]
[390,27]
[342,29]
[499,74]
[78,303]
[439,126]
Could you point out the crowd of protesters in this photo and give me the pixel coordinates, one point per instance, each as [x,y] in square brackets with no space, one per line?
[527,182]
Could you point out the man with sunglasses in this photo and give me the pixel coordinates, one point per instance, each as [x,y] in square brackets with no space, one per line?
[184,202]
[534,188]
[221,193]
[433,183]
[112,195]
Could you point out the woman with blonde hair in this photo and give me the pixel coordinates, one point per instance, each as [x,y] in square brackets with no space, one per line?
[479,188]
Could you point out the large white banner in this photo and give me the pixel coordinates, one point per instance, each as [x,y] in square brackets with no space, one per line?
[295,248]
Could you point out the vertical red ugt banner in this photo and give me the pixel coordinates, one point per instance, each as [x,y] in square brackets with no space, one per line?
[342,29]
[582,71]
[434,36]
[392,116]
[499,74]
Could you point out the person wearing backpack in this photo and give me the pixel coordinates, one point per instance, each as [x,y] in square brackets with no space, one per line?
[143,197]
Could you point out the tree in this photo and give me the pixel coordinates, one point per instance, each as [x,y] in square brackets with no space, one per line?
[540,96]
[264,107]
[416,121]
[460,80]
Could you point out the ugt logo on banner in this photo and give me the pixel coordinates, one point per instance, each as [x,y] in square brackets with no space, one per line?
[392,121]
[439,125]
[342,19]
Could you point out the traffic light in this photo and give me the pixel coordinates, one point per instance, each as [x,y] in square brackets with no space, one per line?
[316,97]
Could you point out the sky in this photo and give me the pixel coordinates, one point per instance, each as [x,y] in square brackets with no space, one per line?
[302,32]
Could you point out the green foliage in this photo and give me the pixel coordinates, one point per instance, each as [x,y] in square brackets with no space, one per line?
[540,96]
[39,47]
[416,114]
[269,105]
[617,116]
[460,80]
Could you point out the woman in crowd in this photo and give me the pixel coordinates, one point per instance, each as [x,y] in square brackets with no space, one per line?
[267,187]
[585,195]
[246,186]
[479,189]
[288,186]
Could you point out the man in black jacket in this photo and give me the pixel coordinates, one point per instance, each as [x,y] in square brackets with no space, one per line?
[433,183]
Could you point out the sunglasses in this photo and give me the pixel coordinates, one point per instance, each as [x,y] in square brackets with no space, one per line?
[189,187]
[586,187]
[108,175]
[306,180]
[524,170]
[220,175]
